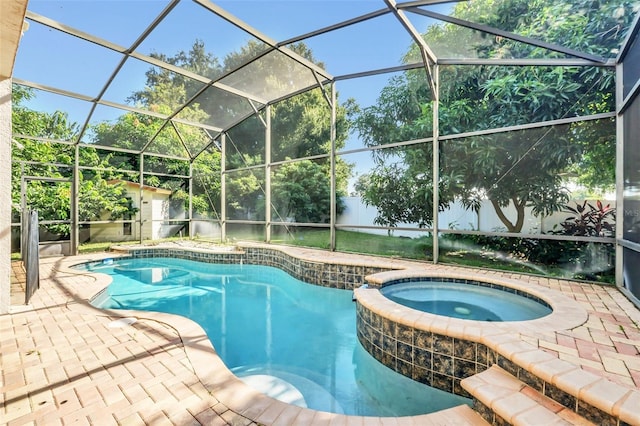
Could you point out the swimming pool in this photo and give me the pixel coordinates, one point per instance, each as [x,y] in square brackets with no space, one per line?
[295,341]
[464,300]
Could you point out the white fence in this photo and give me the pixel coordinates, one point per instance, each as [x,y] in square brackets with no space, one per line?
[457,217]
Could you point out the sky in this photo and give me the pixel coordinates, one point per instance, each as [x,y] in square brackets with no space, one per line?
[52,58]
[61,61]
[375,44]
[55,59]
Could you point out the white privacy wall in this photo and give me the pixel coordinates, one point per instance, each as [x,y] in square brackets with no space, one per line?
[457,217]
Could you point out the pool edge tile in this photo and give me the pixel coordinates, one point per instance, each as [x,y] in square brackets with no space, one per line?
[592,392]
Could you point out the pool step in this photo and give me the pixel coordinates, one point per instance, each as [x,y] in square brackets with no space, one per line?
[505,399]
[461,415]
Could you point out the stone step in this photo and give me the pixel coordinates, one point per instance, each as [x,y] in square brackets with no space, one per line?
[461,415]
[504,398]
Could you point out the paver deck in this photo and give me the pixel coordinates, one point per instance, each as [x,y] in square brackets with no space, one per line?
[64,361]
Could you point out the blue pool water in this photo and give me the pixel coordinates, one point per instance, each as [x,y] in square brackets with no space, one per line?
[287,338]
[465,301]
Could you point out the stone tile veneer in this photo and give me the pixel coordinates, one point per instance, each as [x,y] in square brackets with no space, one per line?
[335,275]
[431,358]
[441,351]
[440,354]
[442,361]
[342,276]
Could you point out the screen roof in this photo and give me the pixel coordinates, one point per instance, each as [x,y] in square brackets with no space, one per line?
[95,60]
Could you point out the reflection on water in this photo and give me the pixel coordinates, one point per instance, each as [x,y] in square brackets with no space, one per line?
[293,340]
[465,301]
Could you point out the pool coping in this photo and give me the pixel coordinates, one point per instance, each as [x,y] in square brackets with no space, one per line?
[566,313]
[229,389]
[506,339]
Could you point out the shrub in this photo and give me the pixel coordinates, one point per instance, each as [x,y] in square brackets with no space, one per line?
[588,220]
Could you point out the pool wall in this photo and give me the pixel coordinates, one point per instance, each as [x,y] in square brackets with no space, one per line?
[434,359]
[443,361]
[442,351]
[335,275]
[431,349]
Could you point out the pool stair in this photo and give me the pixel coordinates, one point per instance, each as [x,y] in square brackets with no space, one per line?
[501,398]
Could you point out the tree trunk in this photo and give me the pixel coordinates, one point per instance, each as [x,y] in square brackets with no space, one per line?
[519,223]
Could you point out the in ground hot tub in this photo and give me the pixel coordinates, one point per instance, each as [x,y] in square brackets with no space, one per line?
[463,337]
[466,299]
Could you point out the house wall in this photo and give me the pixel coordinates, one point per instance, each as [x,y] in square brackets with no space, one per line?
[111,232]
[158,212]
[5,195]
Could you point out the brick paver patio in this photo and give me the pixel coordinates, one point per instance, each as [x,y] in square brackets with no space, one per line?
[62,365]
[64,361]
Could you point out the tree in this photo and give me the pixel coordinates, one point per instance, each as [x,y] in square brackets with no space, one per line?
[300,127]
[301,190]
[164,93]
[248,195]
[519,168]
[50,159]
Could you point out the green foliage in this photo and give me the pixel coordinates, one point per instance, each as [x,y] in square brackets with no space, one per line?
[164,92]
[468,250]
[582,260]
[25,121]
[521,169]
[206,184]
[537,251]
[165,88]
[395,116]
[596,167]
[247,199]
[301,190]
[30,157]
[98,196]
[588,220]
[399,196]
[300,128]
[569,259]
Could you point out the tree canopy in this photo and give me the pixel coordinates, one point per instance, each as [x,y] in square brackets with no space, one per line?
[521,168]
[300,129]
[50,159]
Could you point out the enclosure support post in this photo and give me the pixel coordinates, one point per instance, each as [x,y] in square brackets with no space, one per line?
[75,186]
[620,205]
[267,174]
[223,189]
[23,208]
[190,200]
[333,207]
[141,198]
[436,159]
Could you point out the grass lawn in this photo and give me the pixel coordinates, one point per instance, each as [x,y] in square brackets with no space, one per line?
[390,246]
[421,249]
